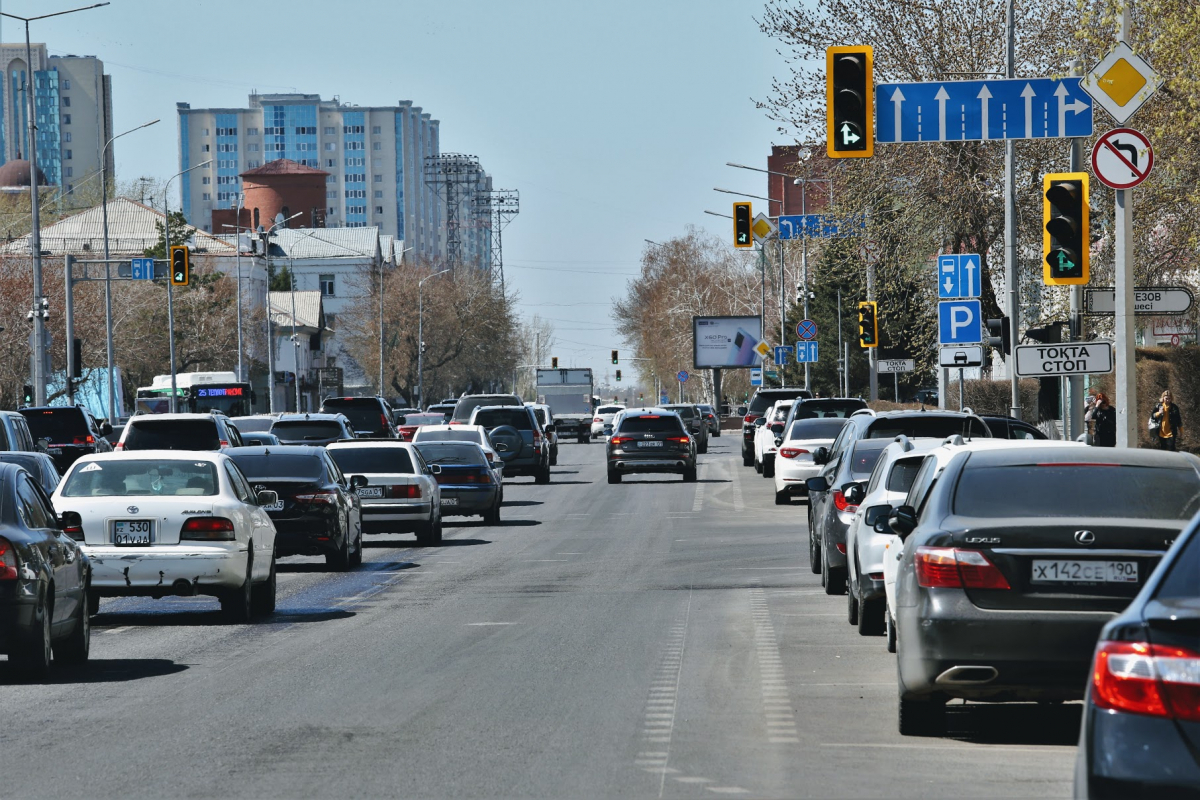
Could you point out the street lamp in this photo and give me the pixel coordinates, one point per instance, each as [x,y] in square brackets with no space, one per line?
[39,321]
[108,324]
[398,260]
[421,336]
[265,235]
[170,281]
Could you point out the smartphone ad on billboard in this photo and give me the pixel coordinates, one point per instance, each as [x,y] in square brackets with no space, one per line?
[726,342]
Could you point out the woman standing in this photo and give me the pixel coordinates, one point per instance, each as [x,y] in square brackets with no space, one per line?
[1166,422]
[1104,417]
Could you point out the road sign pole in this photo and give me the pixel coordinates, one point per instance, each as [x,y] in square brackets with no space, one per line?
[69,316]
[1075,383]
[873,352]
[1010,218]
[1123,322]
[804,275]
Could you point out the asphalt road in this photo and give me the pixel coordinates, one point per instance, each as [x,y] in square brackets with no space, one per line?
[651,639]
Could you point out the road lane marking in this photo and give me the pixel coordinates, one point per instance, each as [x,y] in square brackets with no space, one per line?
[483,624]
[778,716]
[982,748]
[727,789]
[699,501]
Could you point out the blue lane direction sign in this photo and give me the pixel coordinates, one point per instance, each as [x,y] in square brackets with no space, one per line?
[806,352]
[682,376]
[960,322]
[756,376]
[819,226]
[141,269]
[958,275]
[957,111]
[783,354]
[806,329]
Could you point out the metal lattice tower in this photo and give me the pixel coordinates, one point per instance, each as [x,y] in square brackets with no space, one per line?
[496,208]
[452,176]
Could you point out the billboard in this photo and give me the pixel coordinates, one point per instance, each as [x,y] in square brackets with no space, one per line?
[726,342]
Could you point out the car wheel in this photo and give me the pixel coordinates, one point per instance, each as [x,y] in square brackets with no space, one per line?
[614,476]
[783,498]
[356,558]
[236,604]
[339,560]
[426,531]
[921,717]
[93,603]
[75,648]
[32,658]
[492,517]
[769,468]
[543,475]
[262,596]
[852,609]
[702,450]
[758,466]
[814,550]
[716,434]
[554,457]
[871,615]
[583,440]
[689,475]
[834,579]
[747,456]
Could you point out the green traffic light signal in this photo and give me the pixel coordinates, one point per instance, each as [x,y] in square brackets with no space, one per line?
[1066,240]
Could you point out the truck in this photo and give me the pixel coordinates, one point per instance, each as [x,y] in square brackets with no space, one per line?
[568,392]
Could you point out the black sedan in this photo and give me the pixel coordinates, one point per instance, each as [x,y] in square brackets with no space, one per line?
[317,513]
[1141,719]
[38,557]
[1013,560]
[467,479]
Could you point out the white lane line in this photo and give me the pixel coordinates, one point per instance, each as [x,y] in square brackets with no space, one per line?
[546,560]
[689,779]
[699,501]
[778,717]
[488,624]
[727,789]
[658,724]
[737,488]
[121,629]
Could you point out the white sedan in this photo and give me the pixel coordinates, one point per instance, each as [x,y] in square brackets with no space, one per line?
[169,522]
[398,490]
[765,436]
[794,460]
[604,416]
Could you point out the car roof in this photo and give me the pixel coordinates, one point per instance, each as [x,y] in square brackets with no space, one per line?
[179,416]
[1048,450]
[313,415]
[276,450]
[465,427]
[155,455]
[368,443]
[492,408]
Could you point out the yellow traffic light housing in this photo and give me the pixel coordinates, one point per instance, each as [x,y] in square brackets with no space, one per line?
[868,324]
[181,267]
[850,102]
[742,218]
[1066,242]
[554,362]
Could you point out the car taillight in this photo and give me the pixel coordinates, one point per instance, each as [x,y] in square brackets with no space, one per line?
[841,503]
[8,561]
[318,498]
[73,528]
[119,446]
[383,422]
[679,439]
[951,568]
[224,443]
[212,529]
[1149,679]
[537,439]
[791,452]
[409,492]
[620,439]
[83,440]
[749,419]
[598,419]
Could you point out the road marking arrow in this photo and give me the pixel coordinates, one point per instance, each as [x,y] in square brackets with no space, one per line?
[1028,93]
[942,96]
[897,100]
[984,95]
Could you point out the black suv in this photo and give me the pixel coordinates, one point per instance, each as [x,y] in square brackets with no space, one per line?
[71,432]
[651,440]
[465,406]
[369,416]
[762,400]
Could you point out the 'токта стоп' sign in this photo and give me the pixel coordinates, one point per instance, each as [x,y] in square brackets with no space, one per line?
[726,342]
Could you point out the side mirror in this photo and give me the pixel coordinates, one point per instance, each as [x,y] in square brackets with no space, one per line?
[821,455]
[550,428]
[71,524]
[266,497]
[497,464]
[778,441]
[854,492]
[399,420]
[358,481]
[777,428]
[43,445]
[105,428]
[876,513]
[902,520]
[817,484]
[435,469]
[758,423]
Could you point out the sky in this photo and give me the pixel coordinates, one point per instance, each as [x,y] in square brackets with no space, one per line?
[614,119]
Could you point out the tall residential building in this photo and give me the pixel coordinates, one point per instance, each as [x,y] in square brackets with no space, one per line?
[73,102]
[375,157]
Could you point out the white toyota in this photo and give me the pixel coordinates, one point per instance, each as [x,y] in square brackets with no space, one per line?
[170,522]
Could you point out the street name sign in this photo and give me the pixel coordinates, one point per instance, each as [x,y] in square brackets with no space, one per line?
[959,111]
[961,357]
[141,269]
[819,226]
[806,329]
[763,228]
[958,275]
[1121,82]
[1069,358]
[806,352]
[1148,301]
[960,322]
[890,365]
[783,354]
[1122,158]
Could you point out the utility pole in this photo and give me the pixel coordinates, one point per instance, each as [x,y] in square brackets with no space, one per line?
[1123,322]
[1074,422]
[1010,219]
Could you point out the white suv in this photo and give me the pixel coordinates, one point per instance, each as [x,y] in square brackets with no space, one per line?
[212,432]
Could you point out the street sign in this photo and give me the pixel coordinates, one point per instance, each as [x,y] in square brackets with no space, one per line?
[819,226]
[682,376]
[958,275]
[806,329]
[886,366]
[783,354]
[1121,82]
[141,269]
[969,356]
[756,376]
[763,228]
[1069,358]
[960,322]
[763,349]
[957,111]
[1122,158]
[806,352]
[1148,301]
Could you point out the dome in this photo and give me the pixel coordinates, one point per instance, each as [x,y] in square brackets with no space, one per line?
[16,173]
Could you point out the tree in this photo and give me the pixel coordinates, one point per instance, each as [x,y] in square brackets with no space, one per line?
[181,232]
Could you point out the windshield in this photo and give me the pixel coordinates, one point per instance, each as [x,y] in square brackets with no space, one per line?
[816,428]
[425,435]
[928,426]
[372,460]
[415,420]
[279,466]
[864,457]
[764,400]
[652,423]
[135,477]
[233,401]
[364,413]
[467,405]
[172,434]
[307,430]
[59,425]
[493,418]
[609,409]
[810,409]
[452,454]
[253,424]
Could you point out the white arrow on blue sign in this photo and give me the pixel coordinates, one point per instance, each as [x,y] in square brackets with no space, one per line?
[141,269]
[783,354]
[819,226]
[806,352]
[958,275]
[957,111]
[959,322]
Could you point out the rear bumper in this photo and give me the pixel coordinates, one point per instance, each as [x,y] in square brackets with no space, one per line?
[303,536]
[18,602]
[393,517]
[468,500]
[790,475]
[1131,755]
[623,464]
[151,571]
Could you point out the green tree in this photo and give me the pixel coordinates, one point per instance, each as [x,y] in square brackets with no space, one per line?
[181,232]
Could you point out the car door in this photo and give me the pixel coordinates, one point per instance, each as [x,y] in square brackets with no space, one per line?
[60,552]
[262,529]
[352,505]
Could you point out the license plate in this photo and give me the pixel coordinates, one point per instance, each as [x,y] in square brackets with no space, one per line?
[449,501]
[133,532]
[1070,571]
[370,491]
[650,444]
[276,506]
[54,451]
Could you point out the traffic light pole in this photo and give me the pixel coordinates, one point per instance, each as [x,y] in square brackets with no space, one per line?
[873,352]
[1075,424]
[1010,219]
[1123,322]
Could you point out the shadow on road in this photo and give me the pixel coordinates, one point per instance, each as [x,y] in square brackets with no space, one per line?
[175,618]
[414,545]
[304,566]
[508,503]
[569,483]
[1015,723]
[97,670]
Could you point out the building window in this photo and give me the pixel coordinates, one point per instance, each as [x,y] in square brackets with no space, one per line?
[355,145]
[378,195]
[252,147]
[227,148]
[352,129]
[378,179]
[331,179]
[206,197]
[70,188]
[251,164]
[306,130]
[67,136]
[376,130]
[327,286]
[227,132]
[378,209]
[204,148]
[252,131]
[206,131]
[205,181]
[353,177]
[331,212]
[70,172]
[66,119]
[356,194]
[331,194]
[66,155]
[376,162]
[330,146]
[330,130]
[66,85]
[376,145]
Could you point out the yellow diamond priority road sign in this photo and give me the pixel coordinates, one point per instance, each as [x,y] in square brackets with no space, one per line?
[763,349]
[764,227]
[1121,82]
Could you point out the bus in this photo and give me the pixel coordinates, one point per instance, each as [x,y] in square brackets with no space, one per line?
[197,393]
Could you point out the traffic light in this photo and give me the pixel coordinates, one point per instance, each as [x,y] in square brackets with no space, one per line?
[76,358]
[849,102]
[618,374]
[554,362]
[1000,335]
[868,325]
[742,236]
[614,356]
[1050,334]
[1065,238]
[181,268]
[27,395]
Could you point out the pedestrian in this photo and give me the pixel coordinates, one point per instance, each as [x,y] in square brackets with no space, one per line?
[1104,421]
[1165,423]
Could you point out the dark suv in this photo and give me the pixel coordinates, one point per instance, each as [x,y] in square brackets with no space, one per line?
[519,439]
[369,416]
[71,432]
[693,418]
[465,406]
[763,399]
[651,440]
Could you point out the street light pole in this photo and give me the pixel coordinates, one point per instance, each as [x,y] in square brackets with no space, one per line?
[265,236]
[39,322]
[421,336]
[237,257]
[401,258]
[170,269]
[108,324]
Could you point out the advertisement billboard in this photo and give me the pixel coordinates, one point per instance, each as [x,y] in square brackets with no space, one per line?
[726,342]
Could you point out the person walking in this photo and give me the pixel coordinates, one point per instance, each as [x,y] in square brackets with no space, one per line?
[1166,423]
[1104,421]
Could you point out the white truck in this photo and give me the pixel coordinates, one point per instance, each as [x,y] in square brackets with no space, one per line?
[568,392]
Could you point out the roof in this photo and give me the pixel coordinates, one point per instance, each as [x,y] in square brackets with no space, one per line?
[283,166]
[132,229]
[387,243]
[326,243]
[308,308]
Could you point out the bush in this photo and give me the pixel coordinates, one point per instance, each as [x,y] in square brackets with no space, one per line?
[993,397]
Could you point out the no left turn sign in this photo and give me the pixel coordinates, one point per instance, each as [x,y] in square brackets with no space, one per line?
[1122,158]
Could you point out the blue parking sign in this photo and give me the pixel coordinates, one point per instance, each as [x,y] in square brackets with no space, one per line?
[960,322]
